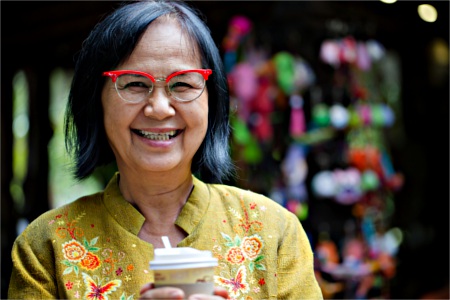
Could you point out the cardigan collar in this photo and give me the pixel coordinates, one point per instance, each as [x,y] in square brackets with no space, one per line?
[131,219]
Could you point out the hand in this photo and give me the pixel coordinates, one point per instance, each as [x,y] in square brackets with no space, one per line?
[148,291]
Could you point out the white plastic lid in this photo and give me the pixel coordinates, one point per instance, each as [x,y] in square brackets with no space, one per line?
[182,258]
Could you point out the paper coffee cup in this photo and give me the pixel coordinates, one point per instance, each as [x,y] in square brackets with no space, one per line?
[186,268]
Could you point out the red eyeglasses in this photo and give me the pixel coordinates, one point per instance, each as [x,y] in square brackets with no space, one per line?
[136,86]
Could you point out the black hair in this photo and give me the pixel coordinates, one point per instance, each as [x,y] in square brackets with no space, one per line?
[112,42]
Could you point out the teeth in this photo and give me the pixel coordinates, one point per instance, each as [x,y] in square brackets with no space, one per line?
[158,136]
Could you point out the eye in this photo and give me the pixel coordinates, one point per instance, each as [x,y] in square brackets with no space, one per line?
[179,86]
[137,84]
[185,82]
[134,83]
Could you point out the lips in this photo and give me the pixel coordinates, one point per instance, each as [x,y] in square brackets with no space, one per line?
[157,136]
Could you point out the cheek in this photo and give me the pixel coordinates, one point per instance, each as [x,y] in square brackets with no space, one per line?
[201,117]
[111,113]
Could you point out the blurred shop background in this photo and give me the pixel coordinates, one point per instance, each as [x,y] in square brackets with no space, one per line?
[340,112]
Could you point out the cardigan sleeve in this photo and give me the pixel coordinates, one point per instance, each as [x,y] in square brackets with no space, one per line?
[295,264]
[31,277]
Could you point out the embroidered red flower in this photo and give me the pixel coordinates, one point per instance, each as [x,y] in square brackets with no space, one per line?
[262,281]
[74,251]
[130,267]
[119,271]
[251,246]
[90,261]
[252,205]
[235,255]
[69,285]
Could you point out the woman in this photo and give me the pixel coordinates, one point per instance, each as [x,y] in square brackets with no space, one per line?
[150,92]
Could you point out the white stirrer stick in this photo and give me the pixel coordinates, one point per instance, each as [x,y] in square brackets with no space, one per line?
[166,241]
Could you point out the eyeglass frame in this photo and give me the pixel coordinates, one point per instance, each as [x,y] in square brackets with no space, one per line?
[115,74]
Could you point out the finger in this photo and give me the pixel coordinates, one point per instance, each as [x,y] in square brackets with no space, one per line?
[146,287]
[220,291]
[205,297]
[162,293]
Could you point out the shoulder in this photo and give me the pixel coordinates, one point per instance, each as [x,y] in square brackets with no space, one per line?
[60,217]
[248,203]
[238,195]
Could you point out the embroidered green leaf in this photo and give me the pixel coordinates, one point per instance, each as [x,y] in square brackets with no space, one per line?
[85,242]
[93,249]
[260,267]
[237,240]
[76,269]
[68,270]
[124,297]
[227,238]
[251,266]
[66,262]
[259,258]
[93,241]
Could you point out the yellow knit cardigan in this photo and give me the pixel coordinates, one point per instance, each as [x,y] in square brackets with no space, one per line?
[89,249]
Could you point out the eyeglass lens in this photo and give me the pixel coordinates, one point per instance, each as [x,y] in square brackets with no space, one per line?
[184,87]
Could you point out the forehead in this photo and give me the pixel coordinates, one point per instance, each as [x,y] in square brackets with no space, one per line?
[166,42]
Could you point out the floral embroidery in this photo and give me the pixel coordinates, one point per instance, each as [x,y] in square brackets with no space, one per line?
[108,253]
[244,251]
[252,246]
[73,251]
[235,255]
[70,227]
[97,291]
[235,285]
[90,261]
[84,258]
[245,222]
[247,248]
[69,285]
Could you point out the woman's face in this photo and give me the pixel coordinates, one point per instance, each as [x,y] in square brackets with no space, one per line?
[135,131]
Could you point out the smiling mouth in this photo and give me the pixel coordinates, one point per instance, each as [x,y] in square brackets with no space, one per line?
[157,136]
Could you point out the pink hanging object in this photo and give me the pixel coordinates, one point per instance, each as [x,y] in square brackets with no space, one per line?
[363,58]
[245,86]
[297,124]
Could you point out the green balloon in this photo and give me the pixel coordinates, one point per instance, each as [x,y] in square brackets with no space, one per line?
[369,180]
[377,115]
[320,115]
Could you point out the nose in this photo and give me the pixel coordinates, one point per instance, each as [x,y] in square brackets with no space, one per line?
[159,104]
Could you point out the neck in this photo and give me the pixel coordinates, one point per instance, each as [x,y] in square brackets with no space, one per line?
[159,198]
